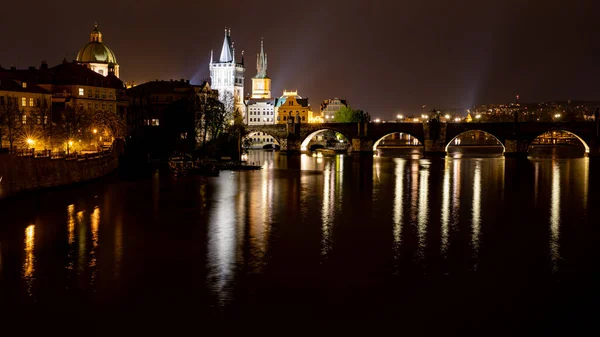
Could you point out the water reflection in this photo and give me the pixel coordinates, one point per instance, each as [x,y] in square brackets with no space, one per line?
[95,224]
[29,261]
[445,207]
[423,209]
[398,201]
[555,216]
[222,240]
[476,211]
[327,209]
[118,246]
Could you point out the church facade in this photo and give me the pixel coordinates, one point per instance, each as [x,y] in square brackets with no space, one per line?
[260,107]
[227,75]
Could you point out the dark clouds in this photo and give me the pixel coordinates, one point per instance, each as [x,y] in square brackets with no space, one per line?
[383,56]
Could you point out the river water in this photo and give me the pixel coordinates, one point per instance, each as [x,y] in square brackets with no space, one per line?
[492,246]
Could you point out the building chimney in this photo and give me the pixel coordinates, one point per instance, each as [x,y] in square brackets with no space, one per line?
[187,81]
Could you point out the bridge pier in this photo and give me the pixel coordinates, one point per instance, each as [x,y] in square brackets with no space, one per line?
[434,148]
[516,148]
[290,146]
[594,148]
[362,145]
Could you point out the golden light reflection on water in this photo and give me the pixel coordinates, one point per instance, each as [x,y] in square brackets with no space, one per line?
[95,225]
[81,243]
[445,207]
[327,209]
[555,216]
[423,209]
[71,223]
[476,211]
[29,261]
[398,201]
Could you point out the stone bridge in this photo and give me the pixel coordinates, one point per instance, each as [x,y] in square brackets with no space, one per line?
[435,137]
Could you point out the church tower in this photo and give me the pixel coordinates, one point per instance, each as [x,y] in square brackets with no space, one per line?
[227,76]
[261,83]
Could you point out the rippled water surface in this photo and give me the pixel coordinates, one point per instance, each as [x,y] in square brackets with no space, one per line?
[424,246]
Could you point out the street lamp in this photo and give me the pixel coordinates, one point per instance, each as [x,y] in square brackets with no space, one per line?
[557,116]
[377,120]
[399,117]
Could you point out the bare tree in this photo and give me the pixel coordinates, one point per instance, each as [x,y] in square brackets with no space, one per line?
[72,123]
[41,125]
[108,122]
[11,122]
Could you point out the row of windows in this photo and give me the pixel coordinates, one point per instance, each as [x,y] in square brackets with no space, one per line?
[96,93]
[97,106]
[32,101]
[259,140]
[152,122]
[284,118]
[38,119]
[258,120]
[264,113]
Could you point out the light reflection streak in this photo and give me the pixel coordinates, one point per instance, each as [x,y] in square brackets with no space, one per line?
[70,236]
[586,181]
[445,208]
[398,202]
[423,209]
[327,210]
[555,216]
[29,261]
[221,240]
[455,191]
[82,241]
[476,211]
[95,224]
[536,175]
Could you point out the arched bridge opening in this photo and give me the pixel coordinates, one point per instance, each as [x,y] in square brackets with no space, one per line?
[260,140]
[325,138]
[398,143]
[475,142]
[558,143]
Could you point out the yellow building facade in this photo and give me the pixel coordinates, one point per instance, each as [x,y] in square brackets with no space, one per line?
[290,105]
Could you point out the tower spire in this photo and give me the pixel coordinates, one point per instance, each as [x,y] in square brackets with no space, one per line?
[227,50]
[261,62]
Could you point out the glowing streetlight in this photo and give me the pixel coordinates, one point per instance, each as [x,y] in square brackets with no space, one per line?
[377,120]
[30,141]
[557,116]
[70,143]
[447,116]
[95,131]
[478,116]
[423,116]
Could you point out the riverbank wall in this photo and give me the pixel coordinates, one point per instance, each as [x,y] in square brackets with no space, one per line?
[20,174]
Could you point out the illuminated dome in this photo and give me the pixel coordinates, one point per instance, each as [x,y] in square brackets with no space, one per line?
[97,56]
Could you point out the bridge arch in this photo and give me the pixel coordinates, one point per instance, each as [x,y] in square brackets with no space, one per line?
[260,134]
[310,136]
[476,130]
[376,143]
[583,142]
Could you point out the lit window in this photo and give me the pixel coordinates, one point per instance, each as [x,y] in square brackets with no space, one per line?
[23,101]
[24,84]
[155,122]
[24,119]
[31,101]
[45,120]
[81,92]
[103,94]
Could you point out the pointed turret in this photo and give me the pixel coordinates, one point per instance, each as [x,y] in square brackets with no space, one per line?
[227,50]
[261,62]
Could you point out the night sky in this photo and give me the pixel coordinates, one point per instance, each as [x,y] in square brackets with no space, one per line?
[385,57]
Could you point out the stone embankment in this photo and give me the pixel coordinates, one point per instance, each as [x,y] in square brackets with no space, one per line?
[26,173]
